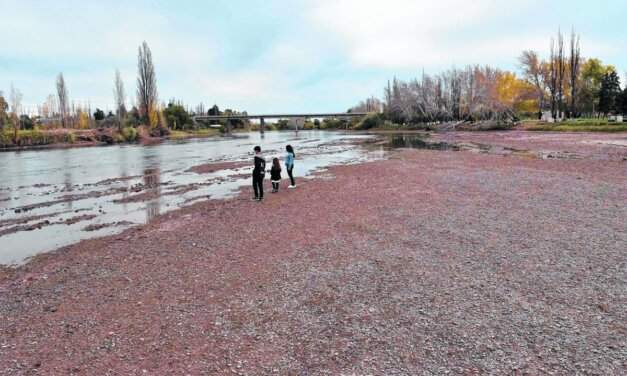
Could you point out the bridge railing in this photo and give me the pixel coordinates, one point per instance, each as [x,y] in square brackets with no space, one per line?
[275,116]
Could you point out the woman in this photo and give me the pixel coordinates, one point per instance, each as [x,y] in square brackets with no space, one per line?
[289,164]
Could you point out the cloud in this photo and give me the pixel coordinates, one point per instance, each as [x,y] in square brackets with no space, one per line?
[87,42]
[321,55]
[410,34]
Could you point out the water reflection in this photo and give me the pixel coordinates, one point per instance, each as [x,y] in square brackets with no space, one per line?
[152,182]
[418,141]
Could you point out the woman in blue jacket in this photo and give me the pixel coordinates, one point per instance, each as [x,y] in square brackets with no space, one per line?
[289,164]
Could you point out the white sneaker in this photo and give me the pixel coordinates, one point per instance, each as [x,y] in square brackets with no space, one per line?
[291,187]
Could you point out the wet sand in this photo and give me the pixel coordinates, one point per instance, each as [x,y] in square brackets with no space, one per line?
[425,263]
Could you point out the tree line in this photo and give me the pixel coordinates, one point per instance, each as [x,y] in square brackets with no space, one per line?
[565,85]
[58,111]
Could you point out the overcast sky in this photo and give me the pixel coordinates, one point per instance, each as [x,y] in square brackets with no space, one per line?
[278,56]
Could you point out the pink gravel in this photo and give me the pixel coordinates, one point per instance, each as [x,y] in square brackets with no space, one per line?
[431,262]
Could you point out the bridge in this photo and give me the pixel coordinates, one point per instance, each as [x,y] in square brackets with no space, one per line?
[262,118]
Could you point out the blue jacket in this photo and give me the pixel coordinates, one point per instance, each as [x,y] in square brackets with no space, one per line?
[289,160]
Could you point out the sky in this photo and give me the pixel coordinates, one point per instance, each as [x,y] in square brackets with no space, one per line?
[282,56]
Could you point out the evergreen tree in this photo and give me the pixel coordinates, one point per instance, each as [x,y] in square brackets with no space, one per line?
[609,93]
[99,114]
[4,108]
[622,107]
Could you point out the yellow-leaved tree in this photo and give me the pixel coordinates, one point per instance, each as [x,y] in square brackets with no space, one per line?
[515,94]
[153,118]
[83,120]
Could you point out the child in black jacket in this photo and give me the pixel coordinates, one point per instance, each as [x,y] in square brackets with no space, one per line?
[259,172]
[275,175]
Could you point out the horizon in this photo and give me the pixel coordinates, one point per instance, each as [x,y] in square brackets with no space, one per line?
[281,56]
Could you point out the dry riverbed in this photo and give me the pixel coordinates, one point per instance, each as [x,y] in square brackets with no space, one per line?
[429,262]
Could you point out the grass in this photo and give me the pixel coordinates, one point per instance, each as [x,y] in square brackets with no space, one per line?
[33,137]
[203,132]
[579,125]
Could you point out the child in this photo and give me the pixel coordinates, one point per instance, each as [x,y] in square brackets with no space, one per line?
[259,172]
[275,175]
[289,164]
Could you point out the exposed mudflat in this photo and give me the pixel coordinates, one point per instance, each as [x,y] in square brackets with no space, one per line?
[208,168]
[131,184]
[429,262]
[547,145]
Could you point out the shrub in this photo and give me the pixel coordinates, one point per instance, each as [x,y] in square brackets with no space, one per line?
[370,121]
[129,134]
[333,124]
[308,125]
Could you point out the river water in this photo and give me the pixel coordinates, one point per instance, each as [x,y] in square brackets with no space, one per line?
[54,198]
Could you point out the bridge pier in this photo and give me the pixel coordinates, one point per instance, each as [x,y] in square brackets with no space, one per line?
[262,125]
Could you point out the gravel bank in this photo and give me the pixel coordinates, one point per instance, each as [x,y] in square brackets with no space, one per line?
[428,263]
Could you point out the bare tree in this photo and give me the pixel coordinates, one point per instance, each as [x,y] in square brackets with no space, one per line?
[120,97]
[575,64]
[146,83]
[63,100]
[15,99]
[200,109]
[532,68]
[454,95]
[553,79]
[561,73]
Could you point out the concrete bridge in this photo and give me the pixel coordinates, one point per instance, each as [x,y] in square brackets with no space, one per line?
[262,118]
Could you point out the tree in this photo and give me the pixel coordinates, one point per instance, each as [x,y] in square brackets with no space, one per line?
[214,111]
[534,72]
[516,95]
[609,93]
[200,109]
[49,106]
[146,84]
[63,100]
[99,115]
[26,122]
[371,104]
[119,97]
[575,65]
[623,102]
[561,73]
[133,119]
[553,78]
[4,109]
[176,116]
[15,100]
[83,119]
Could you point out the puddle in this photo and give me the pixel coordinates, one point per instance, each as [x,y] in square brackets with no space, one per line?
[418,141]
[424,141]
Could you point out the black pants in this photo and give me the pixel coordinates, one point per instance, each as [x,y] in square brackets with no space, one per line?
[275,186]
[258,184]
[289,173]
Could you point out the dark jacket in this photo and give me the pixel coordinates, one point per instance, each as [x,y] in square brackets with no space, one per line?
[275,173]
[260,165]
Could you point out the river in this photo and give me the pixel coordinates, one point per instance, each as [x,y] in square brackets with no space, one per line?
[53,198]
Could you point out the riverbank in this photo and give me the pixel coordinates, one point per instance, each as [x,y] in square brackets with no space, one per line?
[576,125]
[72,138]
[427,262]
